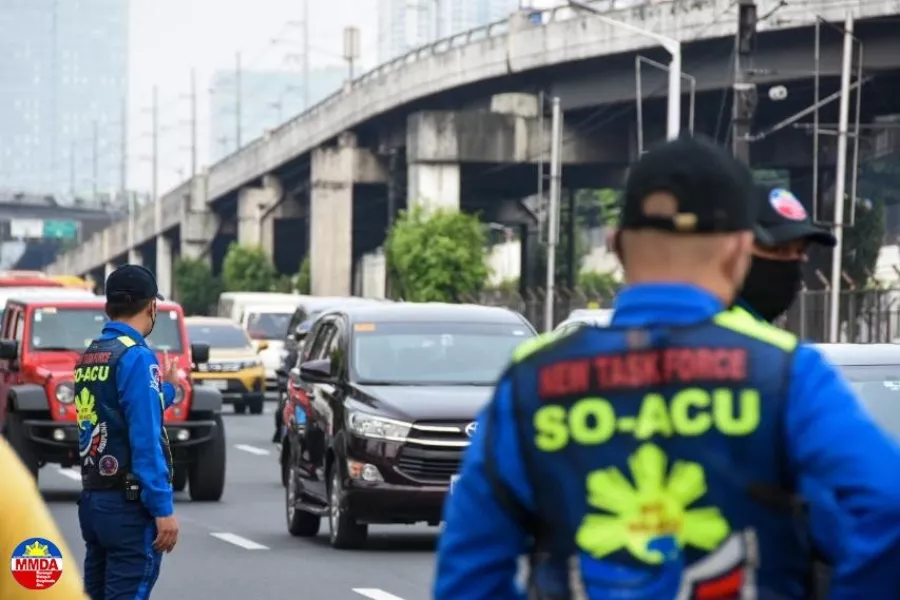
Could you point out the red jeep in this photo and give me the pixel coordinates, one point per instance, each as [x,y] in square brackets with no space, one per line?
[40,342]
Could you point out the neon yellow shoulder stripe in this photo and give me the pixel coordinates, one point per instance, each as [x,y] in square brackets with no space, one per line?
[529,347]
[739,320]
[126,341]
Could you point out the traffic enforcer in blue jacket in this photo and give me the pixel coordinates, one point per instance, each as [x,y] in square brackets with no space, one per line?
[661,457]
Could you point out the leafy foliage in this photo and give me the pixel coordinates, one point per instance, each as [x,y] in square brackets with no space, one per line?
[197,288]
[303,278]
[247,269]
[599,283]
[436,257]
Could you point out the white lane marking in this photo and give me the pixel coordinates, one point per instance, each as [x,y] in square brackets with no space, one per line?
[252,449]
[71,473]
[239,541]
[376,594]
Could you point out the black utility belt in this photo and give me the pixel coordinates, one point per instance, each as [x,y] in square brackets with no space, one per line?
[127,483]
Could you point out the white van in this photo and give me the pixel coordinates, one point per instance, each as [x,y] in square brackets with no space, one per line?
[232,304]
[269,322]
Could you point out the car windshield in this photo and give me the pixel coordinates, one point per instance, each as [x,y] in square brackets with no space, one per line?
[879,389]
[75,328]
[218,336]
[268,325]
[433,353]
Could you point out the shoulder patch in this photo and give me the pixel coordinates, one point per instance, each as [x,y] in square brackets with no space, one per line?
[741,321]
[529,347]
[126,341]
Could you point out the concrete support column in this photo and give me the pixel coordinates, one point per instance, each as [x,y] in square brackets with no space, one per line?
[433,186]
[108,268]
[198,222]
[255,205]
[164,265]
[135,257]
[432,155]
[331,219]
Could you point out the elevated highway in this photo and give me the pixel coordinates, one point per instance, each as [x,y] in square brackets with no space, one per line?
[435,120]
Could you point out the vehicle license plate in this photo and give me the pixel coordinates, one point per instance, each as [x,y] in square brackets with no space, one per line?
[453,480]
[219,384]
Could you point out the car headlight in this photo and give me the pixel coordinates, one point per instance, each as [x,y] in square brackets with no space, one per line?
[249,364]
[179,394]
[65,393]
[370,426]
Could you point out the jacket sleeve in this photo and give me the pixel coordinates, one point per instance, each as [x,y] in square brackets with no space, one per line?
[24,515]
[168,391]
[838,451]
[140,398]
[479,548]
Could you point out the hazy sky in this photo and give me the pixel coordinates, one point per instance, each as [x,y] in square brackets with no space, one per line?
[171,37]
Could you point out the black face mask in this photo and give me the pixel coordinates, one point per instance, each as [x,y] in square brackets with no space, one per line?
[772,286]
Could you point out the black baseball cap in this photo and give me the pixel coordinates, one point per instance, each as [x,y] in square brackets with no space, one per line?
[783,218]
[131,283]
[713,192]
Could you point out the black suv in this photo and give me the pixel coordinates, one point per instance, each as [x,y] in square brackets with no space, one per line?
[382,408]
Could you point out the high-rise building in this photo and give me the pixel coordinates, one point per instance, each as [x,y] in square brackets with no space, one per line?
[265,100]
[63,76]
[407,24]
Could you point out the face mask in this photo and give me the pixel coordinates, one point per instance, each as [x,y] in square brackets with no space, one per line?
[771,286]
[152,321]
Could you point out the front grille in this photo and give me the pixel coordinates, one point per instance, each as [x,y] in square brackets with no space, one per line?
[429,465]
[223,367]
[433,451]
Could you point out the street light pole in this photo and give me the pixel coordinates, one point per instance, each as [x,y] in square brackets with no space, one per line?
[671,45]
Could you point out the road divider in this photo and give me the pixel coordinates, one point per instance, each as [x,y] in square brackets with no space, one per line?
[376,594]
[239,541]
[252,449]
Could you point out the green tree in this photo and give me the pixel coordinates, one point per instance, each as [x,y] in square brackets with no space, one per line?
[598,283]
[248,269]
[196,286]
[303,278]
[437,256]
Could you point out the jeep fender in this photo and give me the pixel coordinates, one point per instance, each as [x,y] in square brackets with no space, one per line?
[206,399]
[28,397]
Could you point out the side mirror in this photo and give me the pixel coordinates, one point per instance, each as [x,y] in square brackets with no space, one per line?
[199,353]
[9,349]
[300,333]
[317,371]
[294,377]
[262,345]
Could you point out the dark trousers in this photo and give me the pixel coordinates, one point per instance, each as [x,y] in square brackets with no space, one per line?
[120,562]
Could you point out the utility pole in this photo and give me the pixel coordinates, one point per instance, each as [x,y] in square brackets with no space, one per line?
[194,149]
[72,169]
[553,212]
[351,49]
[306,48]
[840,180]
[745,94]
[95,162]
[154,186]
[238,117]
[123,165]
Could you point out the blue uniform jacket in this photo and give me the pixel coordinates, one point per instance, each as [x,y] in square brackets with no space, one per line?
[139,398]
[833,444]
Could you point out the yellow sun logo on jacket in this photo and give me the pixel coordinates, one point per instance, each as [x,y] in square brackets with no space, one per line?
[37,550]
[655,507]
[84,409]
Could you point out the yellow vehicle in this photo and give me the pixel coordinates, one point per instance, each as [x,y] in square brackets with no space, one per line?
[73,281]
[235,367]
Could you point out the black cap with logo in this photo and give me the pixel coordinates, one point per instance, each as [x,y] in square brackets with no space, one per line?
[712,192]
[783,218]
[131,283]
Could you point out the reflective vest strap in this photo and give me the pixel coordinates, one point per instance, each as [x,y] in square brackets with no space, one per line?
[740,321]
[126,341]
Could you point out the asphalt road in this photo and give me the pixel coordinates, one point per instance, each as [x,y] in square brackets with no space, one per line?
[239,548]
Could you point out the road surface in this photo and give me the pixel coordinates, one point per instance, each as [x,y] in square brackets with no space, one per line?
[240,548]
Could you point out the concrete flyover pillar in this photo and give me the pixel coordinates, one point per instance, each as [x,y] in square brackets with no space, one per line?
[254,213]
[331,219]
[108,268]
[164,265]
[432,156]
[198,222]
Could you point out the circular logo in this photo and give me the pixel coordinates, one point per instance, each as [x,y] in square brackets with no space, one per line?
[37,564]
[787,205]
[470,428]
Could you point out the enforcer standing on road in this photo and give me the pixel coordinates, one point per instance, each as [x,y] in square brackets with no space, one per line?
[660,457]
[126,509]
